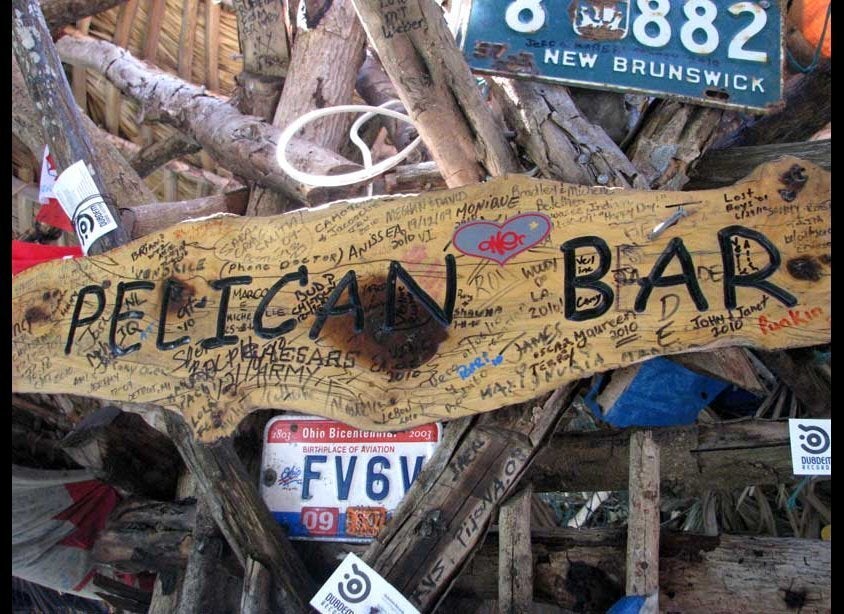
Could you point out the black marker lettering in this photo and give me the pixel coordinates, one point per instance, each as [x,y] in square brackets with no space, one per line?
[225,285]
[444,315]
[75,321]
[289,324]
[133,314]
[655,278]
[755,279]
[160,343]
[572,281]
[329,309]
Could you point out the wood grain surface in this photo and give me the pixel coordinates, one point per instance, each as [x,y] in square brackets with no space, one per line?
[395,312]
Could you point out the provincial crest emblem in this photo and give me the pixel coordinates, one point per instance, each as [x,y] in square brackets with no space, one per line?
[600,19]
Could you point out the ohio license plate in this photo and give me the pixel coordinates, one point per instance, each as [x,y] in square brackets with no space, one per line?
[720,53]
[324,480]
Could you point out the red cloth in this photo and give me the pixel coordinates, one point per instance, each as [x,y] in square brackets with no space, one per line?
[25,255]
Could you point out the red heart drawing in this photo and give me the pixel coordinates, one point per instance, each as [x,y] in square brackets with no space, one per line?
[500,242]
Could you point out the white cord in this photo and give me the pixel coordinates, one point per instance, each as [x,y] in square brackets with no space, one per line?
[370,172]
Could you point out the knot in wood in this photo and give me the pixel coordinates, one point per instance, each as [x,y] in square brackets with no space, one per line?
[432,524]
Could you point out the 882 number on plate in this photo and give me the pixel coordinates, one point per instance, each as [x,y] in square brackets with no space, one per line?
[652,28]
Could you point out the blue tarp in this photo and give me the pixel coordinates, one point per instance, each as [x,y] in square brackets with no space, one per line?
[662,393]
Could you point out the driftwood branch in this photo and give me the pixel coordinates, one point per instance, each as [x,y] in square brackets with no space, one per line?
[324,64]
[244,144]
[160,153]
[562,142]
[438,90]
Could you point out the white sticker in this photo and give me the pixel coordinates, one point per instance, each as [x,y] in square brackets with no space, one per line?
[355,588]
[811,446]
[76,191]
[48,177]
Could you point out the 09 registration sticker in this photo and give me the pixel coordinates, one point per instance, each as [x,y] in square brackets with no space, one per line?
[324,480]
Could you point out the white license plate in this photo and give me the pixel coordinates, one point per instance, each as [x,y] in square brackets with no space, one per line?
[324,480]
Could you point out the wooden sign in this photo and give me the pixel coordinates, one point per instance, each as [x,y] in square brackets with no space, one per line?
[395,312]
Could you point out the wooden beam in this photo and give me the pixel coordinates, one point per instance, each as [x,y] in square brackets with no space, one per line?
[125,20]
[515,560]
[58,13]
[61,120]
[153,35]
[724,456]
[443,518]
[438,90]
[241,514]
[79,75]
[643,521]
[190,18]
[212,45]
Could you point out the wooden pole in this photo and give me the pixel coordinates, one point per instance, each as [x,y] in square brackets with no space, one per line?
[643,521]
[515,560]
[61,120]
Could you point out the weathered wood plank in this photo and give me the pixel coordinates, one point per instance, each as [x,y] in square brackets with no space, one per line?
[444,517]
[583,570]
[720,167]
[643,521]
[723,456]
[515,561]
[512,310]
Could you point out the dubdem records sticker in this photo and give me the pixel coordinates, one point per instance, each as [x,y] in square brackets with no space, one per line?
[811,446]
[356,588]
